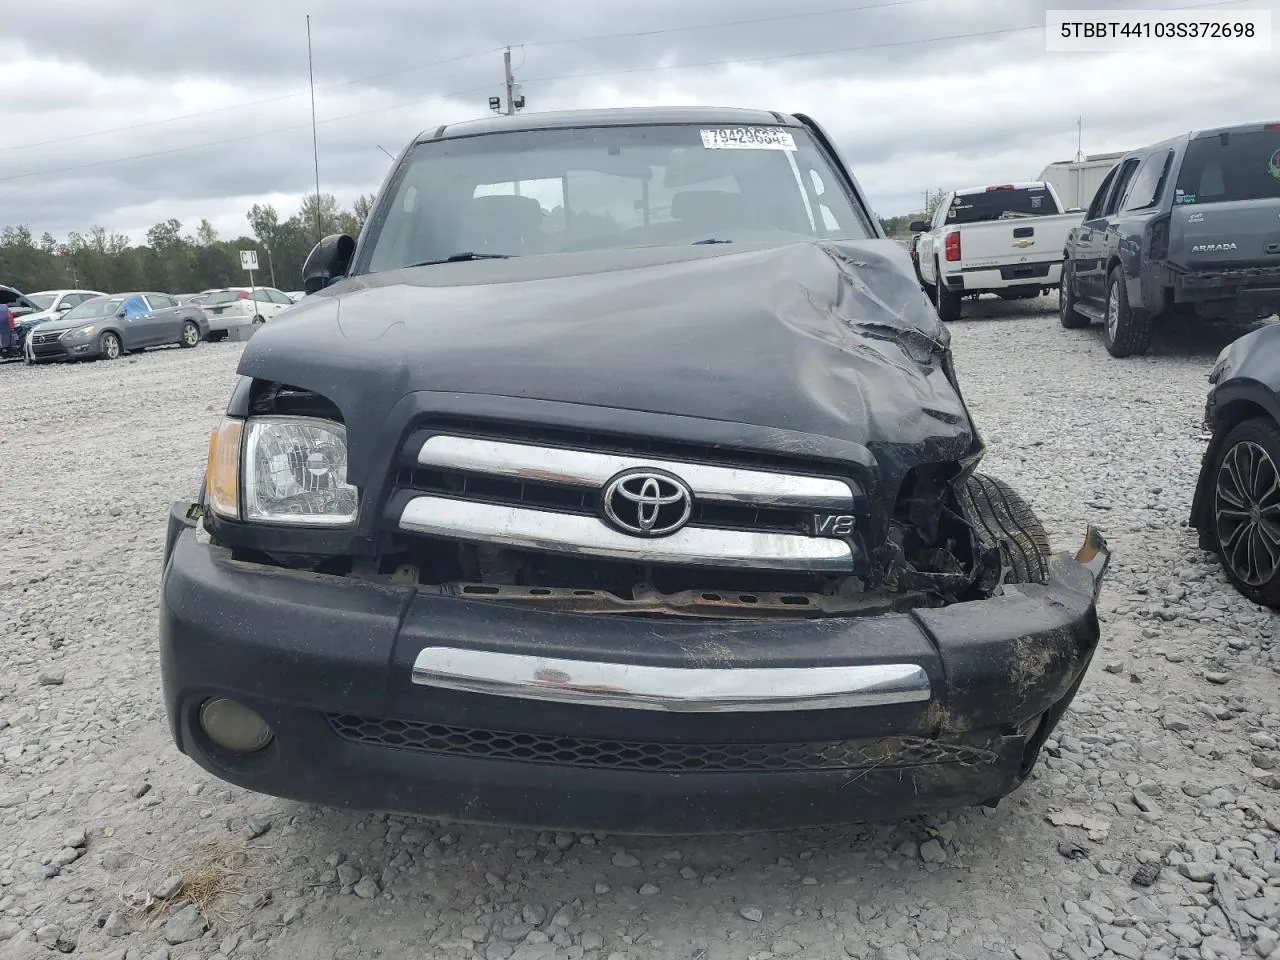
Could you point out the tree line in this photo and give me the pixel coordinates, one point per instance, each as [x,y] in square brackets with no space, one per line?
[174,261]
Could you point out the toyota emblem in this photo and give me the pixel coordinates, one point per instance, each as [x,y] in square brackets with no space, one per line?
[647,503]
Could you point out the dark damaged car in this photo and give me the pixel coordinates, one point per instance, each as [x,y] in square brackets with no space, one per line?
[617,478]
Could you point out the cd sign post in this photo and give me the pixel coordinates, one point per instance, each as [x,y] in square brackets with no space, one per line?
[249,261]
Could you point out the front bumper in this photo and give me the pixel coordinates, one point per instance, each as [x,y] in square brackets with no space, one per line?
[58,350]
[383,697]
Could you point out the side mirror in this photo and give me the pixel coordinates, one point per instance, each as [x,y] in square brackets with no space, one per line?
[1075,209]
[919,226]
[63,307]
[122,312]
[328,261]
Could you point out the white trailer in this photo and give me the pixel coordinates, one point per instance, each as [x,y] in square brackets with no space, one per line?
[1076,181]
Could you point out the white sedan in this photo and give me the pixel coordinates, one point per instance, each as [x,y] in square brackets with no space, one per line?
[242,306]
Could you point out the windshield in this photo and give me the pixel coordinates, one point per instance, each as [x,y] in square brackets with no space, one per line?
[1244,167]
[558,191]
[91,309]
[1001,203]
[42,301]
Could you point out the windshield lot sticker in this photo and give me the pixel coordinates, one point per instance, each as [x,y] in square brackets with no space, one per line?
[1273,167]
[747,138]
[1035,202]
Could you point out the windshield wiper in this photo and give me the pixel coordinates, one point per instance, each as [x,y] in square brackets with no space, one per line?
[698,243]
[461,257]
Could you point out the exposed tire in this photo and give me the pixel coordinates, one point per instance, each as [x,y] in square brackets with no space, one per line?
[190,335]
[1068,315]
[1246,509]
[1004,521]
[109,347]
[1127,332]
[948,301]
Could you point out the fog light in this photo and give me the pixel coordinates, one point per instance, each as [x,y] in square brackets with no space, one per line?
[233,726]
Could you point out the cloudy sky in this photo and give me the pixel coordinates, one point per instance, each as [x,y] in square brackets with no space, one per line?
[126,112]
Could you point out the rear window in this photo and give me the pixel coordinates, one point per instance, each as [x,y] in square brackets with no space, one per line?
[1001,204]
[223,296]
[1234,166]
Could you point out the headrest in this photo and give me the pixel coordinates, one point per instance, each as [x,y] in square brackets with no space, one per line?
[521,214]
[707,205]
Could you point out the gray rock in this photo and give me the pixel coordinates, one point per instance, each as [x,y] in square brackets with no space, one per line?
[1199,872]
[167,888]
[590,940]
[53,677]
[648,890]
[366,888]
[754,914]
[116,925]
[185,925]
[931,852]
[625,860]
[255,827]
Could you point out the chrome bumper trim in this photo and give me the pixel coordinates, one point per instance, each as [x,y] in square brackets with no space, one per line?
[671,689]
[587,536]
[588,468]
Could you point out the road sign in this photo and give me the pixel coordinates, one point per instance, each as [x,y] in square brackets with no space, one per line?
[249,260]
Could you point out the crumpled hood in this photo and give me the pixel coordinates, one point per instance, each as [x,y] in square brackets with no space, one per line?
[829,338]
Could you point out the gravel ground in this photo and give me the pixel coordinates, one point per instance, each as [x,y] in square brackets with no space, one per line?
[1151,828]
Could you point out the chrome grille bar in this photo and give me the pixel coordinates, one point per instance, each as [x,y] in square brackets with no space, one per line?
[589,468]
[674,689]
[544,530]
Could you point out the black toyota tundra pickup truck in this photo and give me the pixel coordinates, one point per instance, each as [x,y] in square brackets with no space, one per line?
[1189,226]
[616,478]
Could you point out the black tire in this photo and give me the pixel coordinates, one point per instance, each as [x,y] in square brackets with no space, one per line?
[948,304]
[1254,573]
[217,336]
[258,320]
[1003,520]
[1126,332]
[190,335]
[1068,315]
[109,346]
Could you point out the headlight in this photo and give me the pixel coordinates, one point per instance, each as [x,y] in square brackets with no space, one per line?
[289,470]
[78,332]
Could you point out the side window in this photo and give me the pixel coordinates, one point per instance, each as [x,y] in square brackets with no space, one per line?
[1122,182]
[1148,182]
[134,306]
[159,301]
[1095,206]
[279,297]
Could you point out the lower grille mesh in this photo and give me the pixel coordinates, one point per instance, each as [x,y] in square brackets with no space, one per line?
[889,752]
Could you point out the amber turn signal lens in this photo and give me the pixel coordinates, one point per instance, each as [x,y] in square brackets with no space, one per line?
[222,474]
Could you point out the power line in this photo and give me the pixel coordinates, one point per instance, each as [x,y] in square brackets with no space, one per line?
[454,94]
[470,56]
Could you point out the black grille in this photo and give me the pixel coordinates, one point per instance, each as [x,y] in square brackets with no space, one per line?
[586,500]
[888,752]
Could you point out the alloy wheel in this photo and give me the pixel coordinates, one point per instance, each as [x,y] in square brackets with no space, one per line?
[1113,311]
[190,335]
[1247,512]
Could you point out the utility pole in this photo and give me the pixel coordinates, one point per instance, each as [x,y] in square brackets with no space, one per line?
[511,81]
[1079,139]
[514,98]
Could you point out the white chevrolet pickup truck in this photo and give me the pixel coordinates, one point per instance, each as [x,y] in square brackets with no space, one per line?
[1006,239]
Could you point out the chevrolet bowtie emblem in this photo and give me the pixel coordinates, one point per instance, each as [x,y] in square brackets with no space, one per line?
[1023,243]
